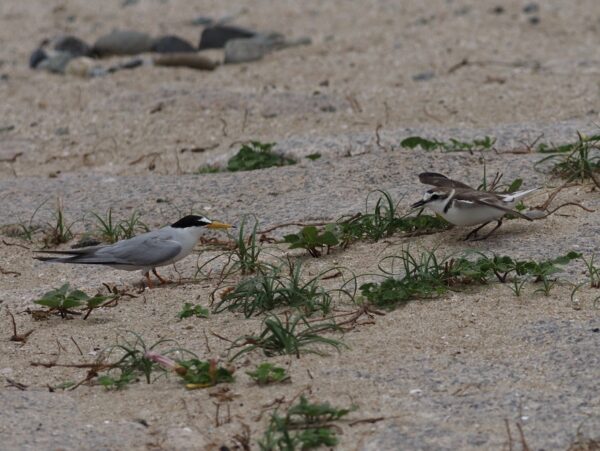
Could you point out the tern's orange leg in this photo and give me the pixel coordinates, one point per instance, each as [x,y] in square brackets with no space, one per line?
[162,279]
[148,280]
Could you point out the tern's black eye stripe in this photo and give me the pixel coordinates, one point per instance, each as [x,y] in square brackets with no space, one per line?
[434,197]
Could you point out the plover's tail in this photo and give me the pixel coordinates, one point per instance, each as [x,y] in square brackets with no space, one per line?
[519,195]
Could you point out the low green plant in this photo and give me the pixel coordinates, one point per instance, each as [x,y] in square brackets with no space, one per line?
[256,155]
[383,221]
[208,169]
[517,285]
[24,230]
[245,255]
[134,360]
[452,145]
[59,231]
[63,301]
[305,425]
[293,336]
[428,276]
[188,310]
[311,239]
[593,271]
[284,286]
[111,231]
[267,373]
[194,372]
[576,161]
[313,156]
[247,250]
[201,374]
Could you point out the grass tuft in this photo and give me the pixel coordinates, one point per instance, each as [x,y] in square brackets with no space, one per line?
[256,155]
[305,425]
[292,336]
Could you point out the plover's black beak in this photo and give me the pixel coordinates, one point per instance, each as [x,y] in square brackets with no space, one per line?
[418,204]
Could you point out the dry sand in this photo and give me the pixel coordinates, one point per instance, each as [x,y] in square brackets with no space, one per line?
[443,374]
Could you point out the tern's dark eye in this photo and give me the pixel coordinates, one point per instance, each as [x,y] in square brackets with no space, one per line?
[434,197]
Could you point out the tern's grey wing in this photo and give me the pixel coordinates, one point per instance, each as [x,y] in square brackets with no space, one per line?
[150,251]
[440,180]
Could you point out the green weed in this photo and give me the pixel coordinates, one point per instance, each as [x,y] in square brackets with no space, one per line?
[293,336]
[428,276]
[244,257]
[383,221]
[111,231]
[312,240]
[267,373]
[453,145]
[63,300]
[59,231]
[256,155]
[305,425]
[275,287]
[208,169]
[134,360]
[576,161]
[188,310]
[201,374]
[593,272]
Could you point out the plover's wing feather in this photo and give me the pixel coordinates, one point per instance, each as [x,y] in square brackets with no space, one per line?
[515,197]
[488,199]
[440,180]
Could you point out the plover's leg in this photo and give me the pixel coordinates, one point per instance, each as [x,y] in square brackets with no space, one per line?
[148,280]
[492,231]
[474,232]
[162,279]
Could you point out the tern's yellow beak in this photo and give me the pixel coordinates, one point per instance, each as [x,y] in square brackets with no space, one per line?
[218,225]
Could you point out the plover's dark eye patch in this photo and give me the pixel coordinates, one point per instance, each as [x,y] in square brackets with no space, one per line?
[434,197]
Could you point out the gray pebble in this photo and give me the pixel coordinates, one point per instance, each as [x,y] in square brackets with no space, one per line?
[73,45]
[56,63]
[203,21]
[217,36]
[123,42]
[172,44]
[424,76]
[244,50]
[37,57]
[530,8]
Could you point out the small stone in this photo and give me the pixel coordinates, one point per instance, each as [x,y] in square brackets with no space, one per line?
[81,67]
[531,8]
[191,60]
[56,63]
[424,76]
[61,131]
[37,57]
[172,44]
[216,37]
[534,20]
[498,9]
[244,50]
[123,42]
[253,49]
[203,21]
[73,45]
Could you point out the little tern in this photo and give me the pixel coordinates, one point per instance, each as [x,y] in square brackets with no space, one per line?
[143,252]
